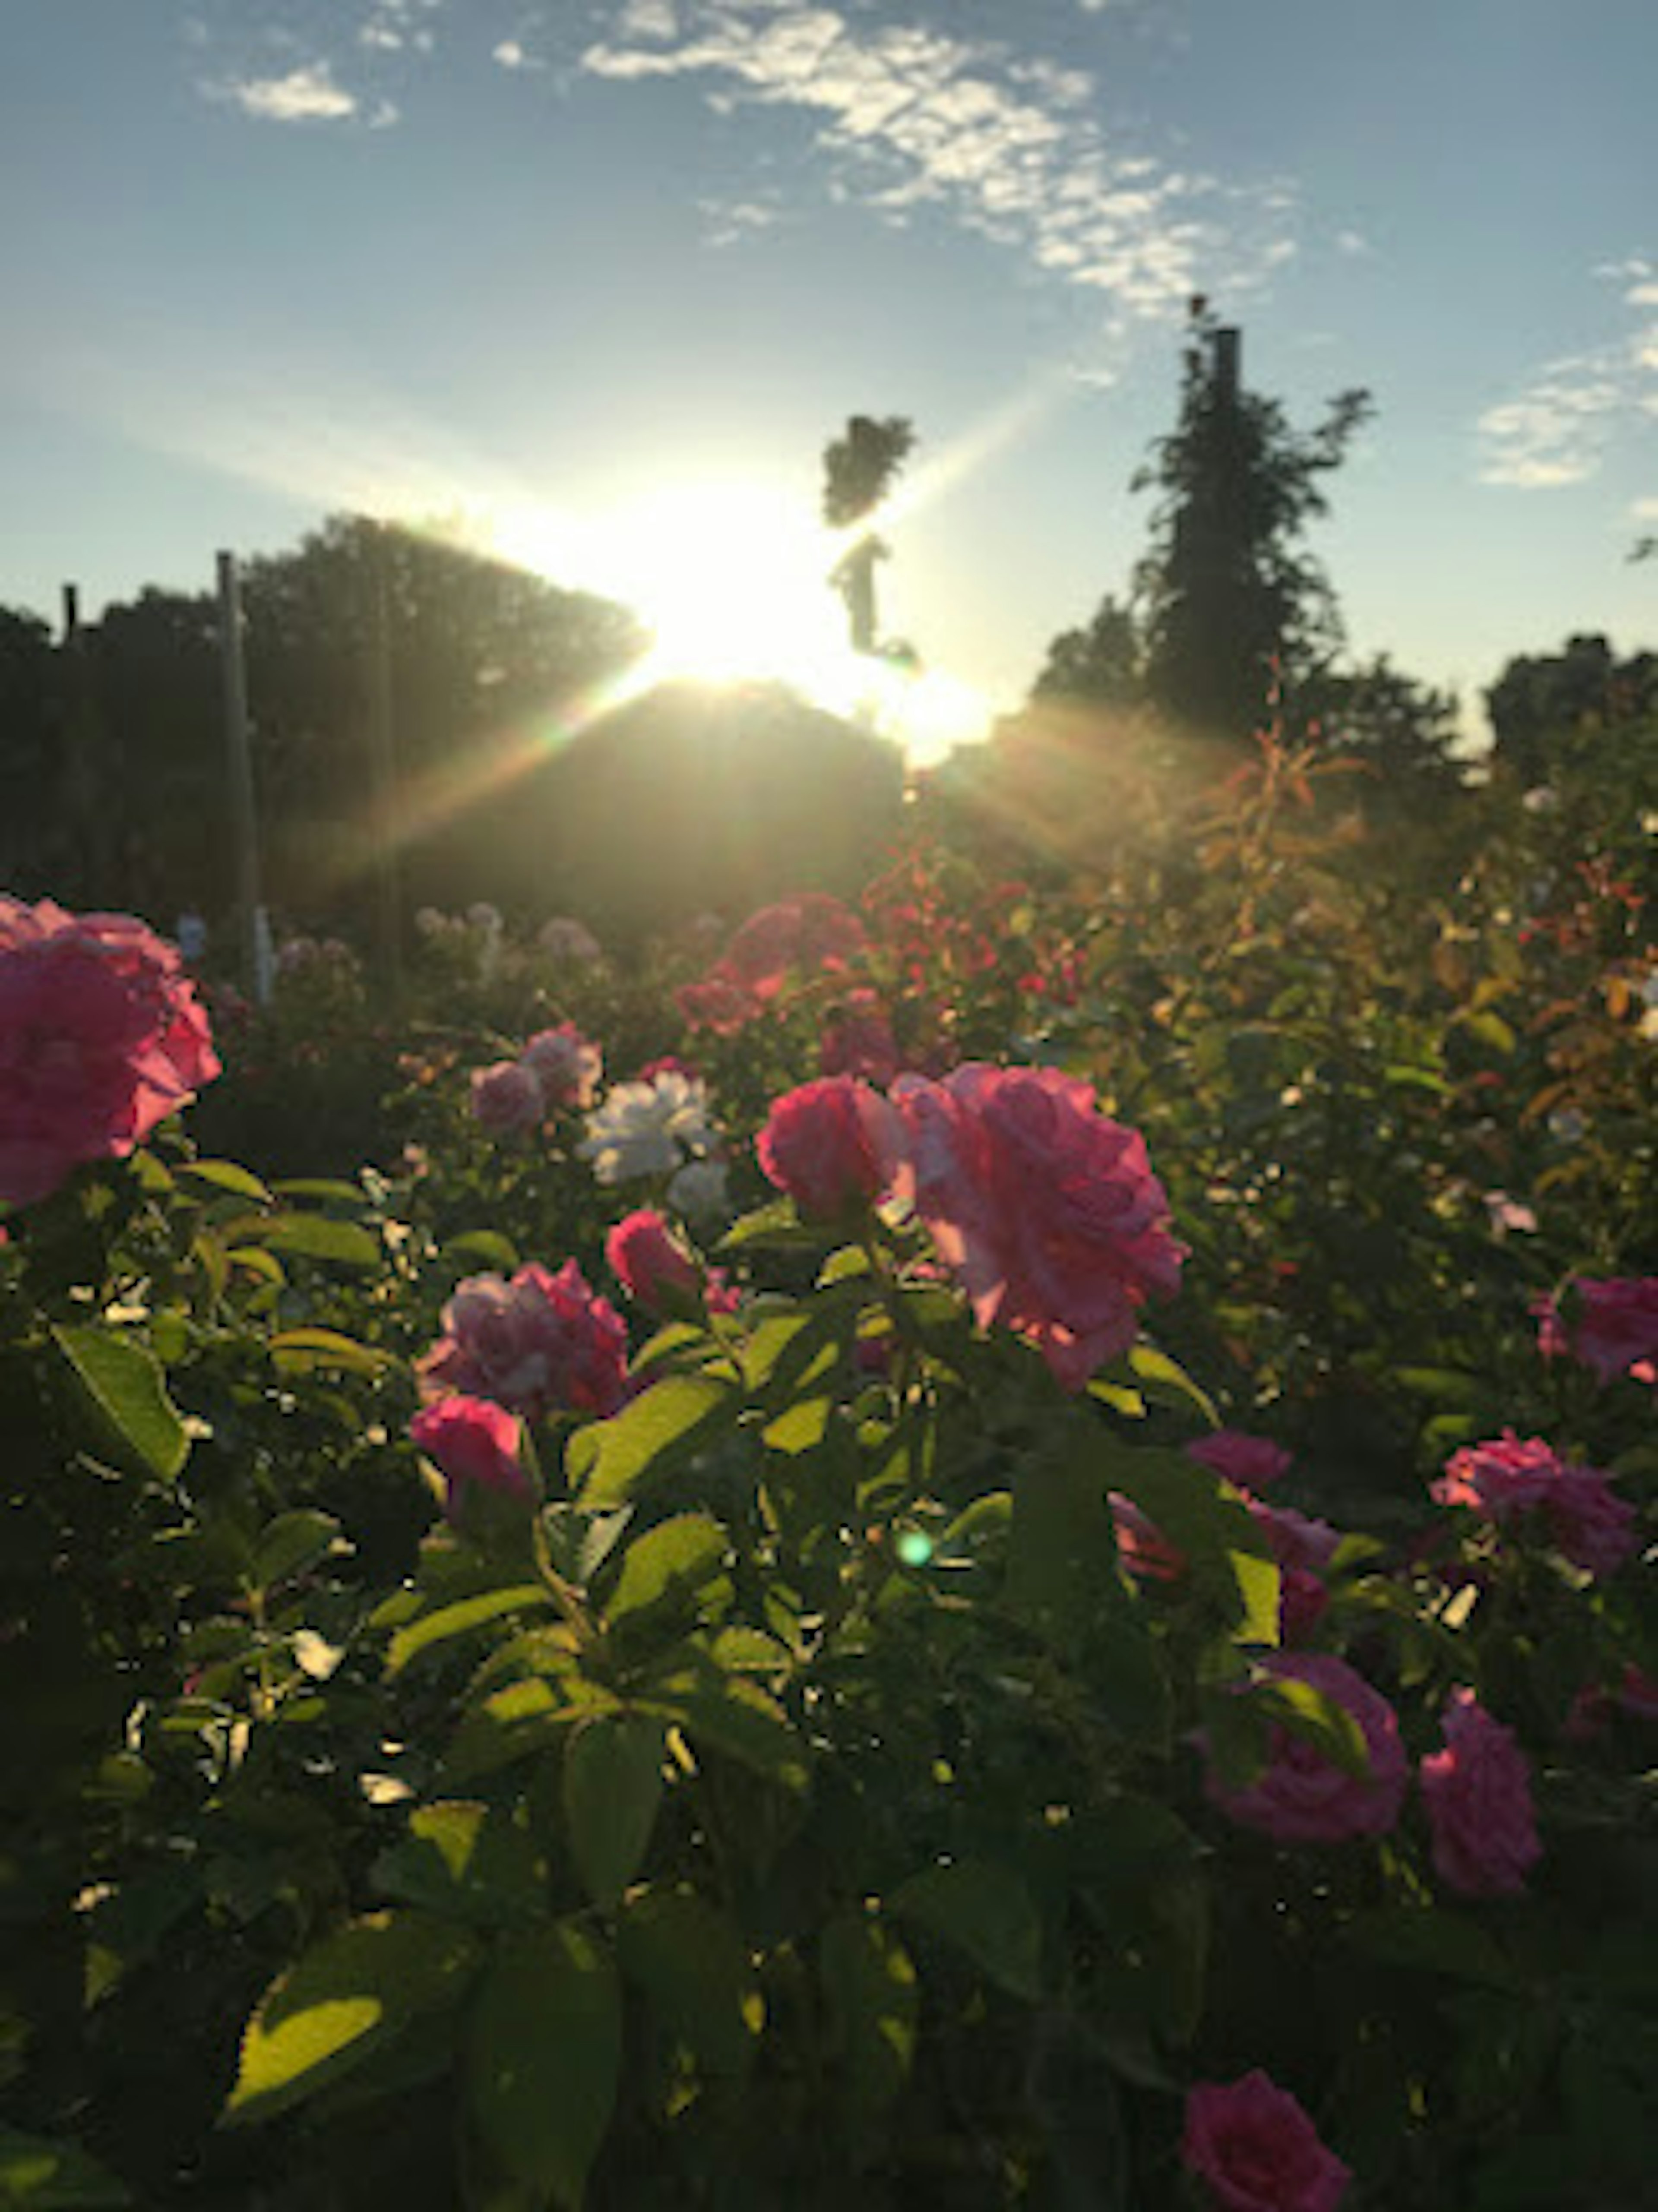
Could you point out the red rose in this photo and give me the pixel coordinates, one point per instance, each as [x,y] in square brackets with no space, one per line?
[1254,2146]
[472,1442]
[834,1145]
[1479,1794]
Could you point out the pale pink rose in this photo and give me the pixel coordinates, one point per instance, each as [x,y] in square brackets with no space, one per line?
[652,1265]
[507,1098]
[102,1038]
[1048,1212]
[1479,1794]
[568,1067]
[860,1042]
[1254,2147]
[834,1145]
[1617,1329]
[1508,1478]
[1251,1462]
[473,1444]
[1300,1797]
[538,1342]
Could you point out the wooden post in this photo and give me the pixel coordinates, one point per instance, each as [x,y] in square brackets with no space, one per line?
[239,750]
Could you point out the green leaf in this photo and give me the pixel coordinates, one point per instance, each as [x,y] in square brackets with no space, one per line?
[1165,1377]
[669,1567]
[872,1997]
[468,1862]
[987,1912]
[1228,1554]
[316,1236]
[729,1713]
[697,1974]
[800,1429]
[1434,1940]
[306,1351]
[225,1174]
[37,2175]
[1062,1554]
[343,2001]
[609,1460]
[1317,1719]
[777,1224]
[518,1720]
[459,1619]
[543,2054]
[496,1252]
[612,1786]
[292,1543]
[121,1385]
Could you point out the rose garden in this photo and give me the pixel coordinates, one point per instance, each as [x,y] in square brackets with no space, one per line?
[975,1546]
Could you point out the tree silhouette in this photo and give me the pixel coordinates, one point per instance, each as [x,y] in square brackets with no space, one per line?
[859,469]
[1102,664]
[1233,604]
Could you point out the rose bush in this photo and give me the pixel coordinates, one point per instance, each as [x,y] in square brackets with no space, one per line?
[803,1763]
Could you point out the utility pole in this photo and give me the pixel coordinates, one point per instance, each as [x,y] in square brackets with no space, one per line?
[243,811]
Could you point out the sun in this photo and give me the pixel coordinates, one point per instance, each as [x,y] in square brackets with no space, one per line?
[730,576]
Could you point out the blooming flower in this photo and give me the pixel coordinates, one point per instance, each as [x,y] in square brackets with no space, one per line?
[860,1042]
[651,1264]
[566,1065]
[102,1038]
[565,939]
[1479,1794]
[647,1128]
[1300,1797]
[473,1444]
[1509,1478]
[1254,2147]
[507,1099]
[1047,1211]
[834,1145]
[1617,1331]
[539,1341]
[1250,1463]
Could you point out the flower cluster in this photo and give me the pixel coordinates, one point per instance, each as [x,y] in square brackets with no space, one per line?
[1511,1479]
[1300,1796]
[102,1038]
[558,1068]
[651,1128]
[538,1342]
[804,936]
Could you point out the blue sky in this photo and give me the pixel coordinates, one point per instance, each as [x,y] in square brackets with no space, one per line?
[269,257]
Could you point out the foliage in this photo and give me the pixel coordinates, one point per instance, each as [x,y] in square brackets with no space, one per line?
[817,1793]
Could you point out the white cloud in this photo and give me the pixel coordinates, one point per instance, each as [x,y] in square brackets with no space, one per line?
[1354,243]
[510,54]
[915,115]
[304,95]
[1559,427]
[1644,510]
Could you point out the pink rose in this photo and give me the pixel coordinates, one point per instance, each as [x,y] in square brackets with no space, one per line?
[1251,1462]
[102,1038]
[1509,1478]
[805,934]
[1552,1341]
[1254,2146]
[1479,1794]
[567,1066]
[834,1145]
[652,1265]
[1300,1797]
[718,1003]
[1048,1212]
[1617,1329]
[507,1099]
[539,1341]
[473,1443]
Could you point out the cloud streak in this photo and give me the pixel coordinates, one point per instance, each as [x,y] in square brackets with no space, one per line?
[1008,146]
[1558,429]
[303,95]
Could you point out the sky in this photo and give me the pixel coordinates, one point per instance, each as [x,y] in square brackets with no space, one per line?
[267,260]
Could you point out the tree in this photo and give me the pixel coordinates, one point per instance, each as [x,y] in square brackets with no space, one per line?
[26,770]
[1542,703]
[1400,732]
[1234,606]
[859,469]
[1103,664]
